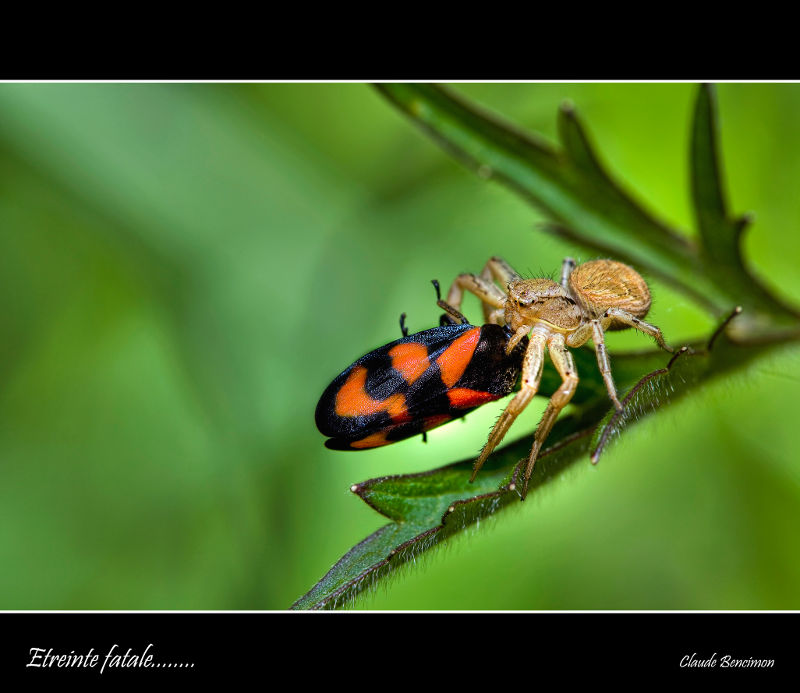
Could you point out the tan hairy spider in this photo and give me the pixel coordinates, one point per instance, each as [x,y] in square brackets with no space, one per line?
[592,298]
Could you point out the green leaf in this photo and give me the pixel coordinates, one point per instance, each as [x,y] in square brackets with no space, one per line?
[430,507]
[721,234]
[425,510]
[586,205]
[582,200]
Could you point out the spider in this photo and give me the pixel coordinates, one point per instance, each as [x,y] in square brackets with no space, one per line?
[592,298]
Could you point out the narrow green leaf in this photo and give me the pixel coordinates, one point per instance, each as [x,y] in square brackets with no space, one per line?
[588,207]
[581,155]
[576,144]
[569,186]
[721,234]
[716,230]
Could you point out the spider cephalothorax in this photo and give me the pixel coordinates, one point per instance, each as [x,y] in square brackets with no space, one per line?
[592,298]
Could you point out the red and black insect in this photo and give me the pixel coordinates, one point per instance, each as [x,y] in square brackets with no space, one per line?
[417,383]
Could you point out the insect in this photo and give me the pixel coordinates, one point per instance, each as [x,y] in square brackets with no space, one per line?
[424,380]
[418,382]
[591,298]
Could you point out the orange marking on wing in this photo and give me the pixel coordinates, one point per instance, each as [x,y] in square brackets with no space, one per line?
[410,359]
[455,359]
[353,400]
[374,440]
[462,397]
[395,406]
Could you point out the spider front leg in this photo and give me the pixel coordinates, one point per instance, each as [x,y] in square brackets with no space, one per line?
[565,365]
[532,366]
[492,298]
[490,295]
[498,269]
[637,324]
[566,269]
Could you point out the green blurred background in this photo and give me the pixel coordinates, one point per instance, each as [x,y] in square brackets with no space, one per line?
[185,267]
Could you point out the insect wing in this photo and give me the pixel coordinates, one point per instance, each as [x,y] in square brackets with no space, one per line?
[371,394]
[415,384]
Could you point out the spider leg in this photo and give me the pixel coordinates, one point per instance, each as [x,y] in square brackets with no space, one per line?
[637,324]
[580,336]
[493,299]
[614,420]
[603,363]
[736,311]
[565,365]
[594,329]
[451,316]
[498,269]
[516,338]
[531,376]
[488,293]
[566,269]
[496,316]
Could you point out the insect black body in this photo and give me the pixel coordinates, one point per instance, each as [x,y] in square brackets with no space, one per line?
[418,383]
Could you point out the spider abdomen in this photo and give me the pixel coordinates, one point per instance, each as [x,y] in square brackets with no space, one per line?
[601,284]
